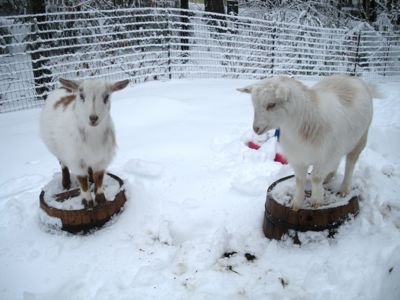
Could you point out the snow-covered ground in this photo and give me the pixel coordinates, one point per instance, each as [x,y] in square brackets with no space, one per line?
[195,192]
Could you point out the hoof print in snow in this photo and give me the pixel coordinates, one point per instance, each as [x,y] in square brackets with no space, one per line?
[230,268]
[280,219]
[388,170]
[144,169]
[250,257]
[284,282]
[81,216]
[229,254]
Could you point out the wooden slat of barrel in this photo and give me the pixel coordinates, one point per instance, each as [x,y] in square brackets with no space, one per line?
[279,219]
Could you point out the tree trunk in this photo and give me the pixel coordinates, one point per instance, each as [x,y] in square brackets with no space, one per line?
[42,75]
[185,25]
[215,6]
[369,7]
[185,4]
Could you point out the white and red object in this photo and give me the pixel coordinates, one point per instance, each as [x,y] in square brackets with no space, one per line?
[280,158]
[253,145]
[257,142]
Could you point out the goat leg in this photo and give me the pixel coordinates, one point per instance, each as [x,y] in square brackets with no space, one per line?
[90,172]
[87,200]
[300,175]
[66,178]
[351,160]
[317,191]
[98,177]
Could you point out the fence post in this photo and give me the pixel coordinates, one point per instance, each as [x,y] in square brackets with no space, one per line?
[168,45]
[357,55]
[386,56]
[273,49]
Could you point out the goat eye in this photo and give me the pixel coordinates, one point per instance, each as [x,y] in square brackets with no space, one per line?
[106,98]
[271,106]
[82,97]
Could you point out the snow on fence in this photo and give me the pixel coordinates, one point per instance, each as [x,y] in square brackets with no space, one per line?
[160,43]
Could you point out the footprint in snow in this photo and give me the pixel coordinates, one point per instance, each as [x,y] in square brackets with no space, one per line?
[201,253]
[231,260]
[144,168]
[253,187]
[19,185]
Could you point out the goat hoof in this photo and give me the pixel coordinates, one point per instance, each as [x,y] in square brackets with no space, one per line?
[84,203]
[315,205]
[315,202]
[342,194]
[87,203]
[296,203]
[90,204]
[100,199]
[66,185]
[295,207]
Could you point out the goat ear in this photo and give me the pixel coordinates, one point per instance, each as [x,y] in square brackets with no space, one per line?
[71,85]
[282,92]
[119,85]
[246,89]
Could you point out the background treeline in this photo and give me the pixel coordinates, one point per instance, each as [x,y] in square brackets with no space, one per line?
[336,13]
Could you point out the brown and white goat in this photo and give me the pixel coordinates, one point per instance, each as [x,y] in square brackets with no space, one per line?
[77,128]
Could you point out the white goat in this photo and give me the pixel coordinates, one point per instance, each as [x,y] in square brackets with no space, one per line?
[77,128]
[319,125]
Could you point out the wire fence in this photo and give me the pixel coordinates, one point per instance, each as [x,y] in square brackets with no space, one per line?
[161,43]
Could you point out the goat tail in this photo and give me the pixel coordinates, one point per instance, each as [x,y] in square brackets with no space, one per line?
[374,91]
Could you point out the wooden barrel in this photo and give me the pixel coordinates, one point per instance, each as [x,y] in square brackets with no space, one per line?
[279,219]
[83,220]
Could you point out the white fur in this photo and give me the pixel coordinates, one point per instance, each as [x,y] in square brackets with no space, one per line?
[319,125]
[70,135]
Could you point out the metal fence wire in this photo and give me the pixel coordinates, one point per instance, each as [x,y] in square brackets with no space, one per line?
[165,43]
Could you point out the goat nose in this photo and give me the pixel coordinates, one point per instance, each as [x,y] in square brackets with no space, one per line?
[93,118]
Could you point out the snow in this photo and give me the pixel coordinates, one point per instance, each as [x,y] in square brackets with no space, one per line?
[196,192]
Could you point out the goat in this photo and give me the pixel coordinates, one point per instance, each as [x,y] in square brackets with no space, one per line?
[319,125]
[76,126]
